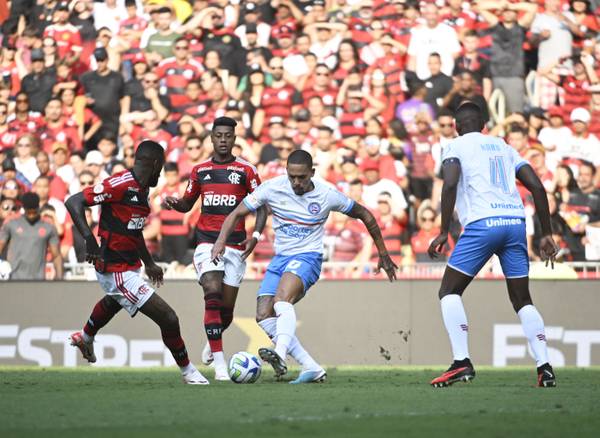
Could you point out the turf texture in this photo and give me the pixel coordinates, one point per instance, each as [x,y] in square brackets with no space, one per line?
[354,402]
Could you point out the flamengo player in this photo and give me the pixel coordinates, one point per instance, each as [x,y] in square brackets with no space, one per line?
[124,201]
[223,181]
[480,171]
[300,207]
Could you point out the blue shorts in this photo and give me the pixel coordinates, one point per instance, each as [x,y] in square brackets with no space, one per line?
[503,236]
[306,266]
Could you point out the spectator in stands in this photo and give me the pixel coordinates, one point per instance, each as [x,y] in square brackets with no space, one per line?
[508,60]
[142,95]
[582,145]
[428,229]
[8,137]
[28,238]
[24,158]
[39,83]
[471,60]
[432,37]
[392,222]
[437,83]
[465,88]
[8,210]
[374,186]
[105,91]
[58,188]
[56,128]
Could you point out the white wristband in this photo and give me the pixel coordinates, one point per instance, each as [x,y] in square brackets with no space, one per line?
[256,235]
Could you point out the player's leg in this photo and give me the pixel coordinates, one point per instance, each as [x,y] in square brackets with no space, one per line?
[102,313]
[165,317]
[265,317]
[229,298]
[515,265]
[453,285]
[212,284]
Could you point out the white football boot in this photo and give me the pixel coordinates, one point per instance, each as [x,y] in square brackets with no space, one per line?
[194,377]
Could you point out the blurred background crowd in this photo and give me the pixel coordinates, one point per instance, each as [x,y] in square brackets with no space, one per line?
[367,87]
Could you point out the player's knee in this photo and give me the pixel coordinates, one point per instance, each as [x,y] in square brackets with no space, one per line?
[444,292]
[518,303]
[170,320]
[262,314]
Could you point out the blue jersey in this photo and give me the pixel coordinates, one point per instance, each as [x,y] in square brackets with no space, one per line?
[487,186]
[298,221]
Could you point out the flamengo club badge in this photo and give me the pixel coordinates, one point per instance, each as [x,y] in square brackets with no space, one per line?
[98,188]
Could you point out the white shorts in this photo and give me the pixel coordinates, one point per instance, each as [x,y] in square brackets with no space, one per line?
[231,264]
[127,288]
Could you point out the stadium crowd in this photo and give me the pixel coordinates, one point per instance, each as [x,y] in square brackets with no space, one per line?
[367,87]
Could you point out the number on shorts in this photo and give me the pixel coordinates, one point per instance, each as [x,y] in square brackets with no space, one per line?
[294,264]
[498,175]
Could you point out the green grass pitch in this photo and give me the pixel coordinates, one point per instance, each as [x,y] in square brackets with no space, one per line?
[355,402]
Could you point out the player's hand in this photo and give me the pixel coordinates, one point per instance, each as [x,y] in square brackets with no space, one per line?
[170,202]
[217,251]
[92,250]
[437,245]
[548,250]
[248,245]
[386,263]
[155,274]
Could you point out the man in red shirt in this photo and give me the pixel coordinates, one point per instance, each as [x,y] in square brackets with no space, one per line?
[223,182]
[67,37]
[55,129]
[118,259]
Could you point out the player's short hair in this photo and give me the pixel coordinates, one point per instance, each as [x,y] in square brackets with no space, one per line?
[300,157]
[149,149]
[469,118]
[30,201]
[171,166]
[224,121]
[435,55]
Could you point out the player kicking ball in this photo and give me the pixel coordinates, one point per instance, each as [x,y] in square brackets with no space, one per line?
[479,176]
[124,201]
[223,181]
[300,207]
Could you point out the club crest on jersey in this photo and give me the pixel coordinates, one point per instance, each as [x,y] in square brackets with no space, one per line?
[234,178]
[98,188]
[314,208]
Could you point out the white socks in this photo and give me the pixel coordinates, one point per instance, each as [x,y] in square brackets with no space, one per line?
[187,369]
[533,326]
[286,327]
[296,350]
[219,358]
[456,324]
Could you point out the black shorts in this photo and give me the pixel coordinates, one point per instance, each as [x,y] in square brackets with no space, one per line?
[421,187]
[174,248]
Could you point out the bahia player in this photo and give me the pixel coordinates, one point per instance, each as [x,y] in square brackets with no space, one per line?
[479,176]
[300,207]
[222,182]
[124,209]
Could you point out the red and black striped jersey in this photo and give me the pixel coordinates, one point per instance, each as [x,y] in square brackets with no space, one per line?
[222,187]
[123,214]
[176,76]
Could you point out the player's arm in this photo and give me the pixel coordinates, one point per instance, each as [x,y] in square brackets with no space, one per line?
[451,173]
[153,271]
[231,220]
[385,261]
[259,226]
[76,205]
[531,181]
[185,204]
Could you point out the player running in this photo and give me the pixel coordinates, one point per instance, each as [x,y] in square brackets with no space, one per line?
[300,207]
[223,181]
[124,201]
[479,175]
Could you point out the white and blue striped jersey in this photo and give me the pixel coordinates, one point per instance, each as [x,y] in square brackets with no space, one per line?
[487,186]
[298,221]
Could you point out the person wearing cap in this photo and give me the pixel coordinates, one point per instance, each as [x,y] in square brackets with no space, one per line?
[582,145]
[38,84]
[28,239]
[508,58]
[253,24]
[66,35]
[10,172]
[94,163]
[374,185]
[105,91]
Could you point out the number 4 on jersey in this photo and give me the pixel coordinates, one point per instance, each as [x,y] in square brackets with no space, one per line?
[498,175]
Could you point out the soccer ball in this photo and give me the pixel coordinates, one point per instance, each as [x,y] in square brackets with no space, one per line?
[5,270]
[244,368]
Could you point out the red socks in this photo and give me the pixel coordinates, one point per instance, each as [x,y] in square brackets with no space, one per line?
[175,344]
[101,314]
[213,324]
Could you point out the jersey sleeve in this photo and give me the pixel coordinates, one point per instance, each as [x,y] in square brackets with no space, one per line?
[253,180]
[450,151]
[257,198]
[339,202]
[193,189]
[108,191]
